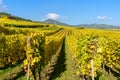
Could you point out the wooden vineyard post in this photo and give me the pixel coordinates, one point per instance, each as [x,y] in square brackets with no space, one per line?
[28,67]
[92,63]
[28,73]
[92,60]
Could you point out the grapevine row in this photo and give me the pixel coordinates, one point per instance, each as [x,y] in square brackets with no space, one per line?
[82,47]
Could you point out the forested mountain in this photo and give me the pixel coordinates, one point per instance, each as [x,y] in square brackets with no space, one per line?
[51,21]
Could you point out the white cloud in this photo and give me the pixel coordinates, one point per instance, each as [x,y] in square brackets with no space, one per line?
[55,16]
[104,18]
[3,7]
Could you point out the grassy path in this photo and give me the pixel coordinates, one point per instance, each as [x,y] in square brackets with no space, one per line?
[6,73]
[65,66]
[69,68]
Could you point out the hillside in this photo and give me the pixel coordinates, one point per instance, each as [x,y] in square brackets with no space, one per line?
[51,21]
[100,26]
[3,14]
[65,53]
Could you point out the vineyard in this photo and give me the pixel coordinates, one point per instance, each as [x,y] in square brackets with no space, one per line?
[39,51]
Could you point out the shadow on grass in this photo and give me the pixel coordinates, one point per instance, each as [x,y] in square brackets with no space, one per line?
[20,74]
[115,74]
[60,66]
[14,73]
[12,66]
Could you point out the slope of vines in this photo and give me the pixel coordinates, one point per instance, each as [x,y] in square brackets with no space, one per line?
[88,45]
[32,46]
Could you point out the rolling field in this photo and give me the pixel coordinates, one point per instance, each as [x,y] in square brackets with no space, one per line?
[39,51]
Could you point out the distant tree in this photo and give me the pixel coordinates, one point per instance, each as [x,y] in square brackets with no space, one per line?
[82,27]
[47,25]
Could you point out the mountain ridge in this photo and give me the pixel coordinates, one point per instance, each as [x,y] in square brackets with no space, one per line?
[100,26]
[56,22]
[52,21]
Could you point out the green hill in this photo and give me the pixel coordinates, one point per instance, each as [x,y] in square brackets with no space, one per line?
[3,14]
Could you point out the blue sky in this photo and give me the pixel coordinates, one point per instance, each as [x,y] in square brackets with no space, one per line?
[68,11]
